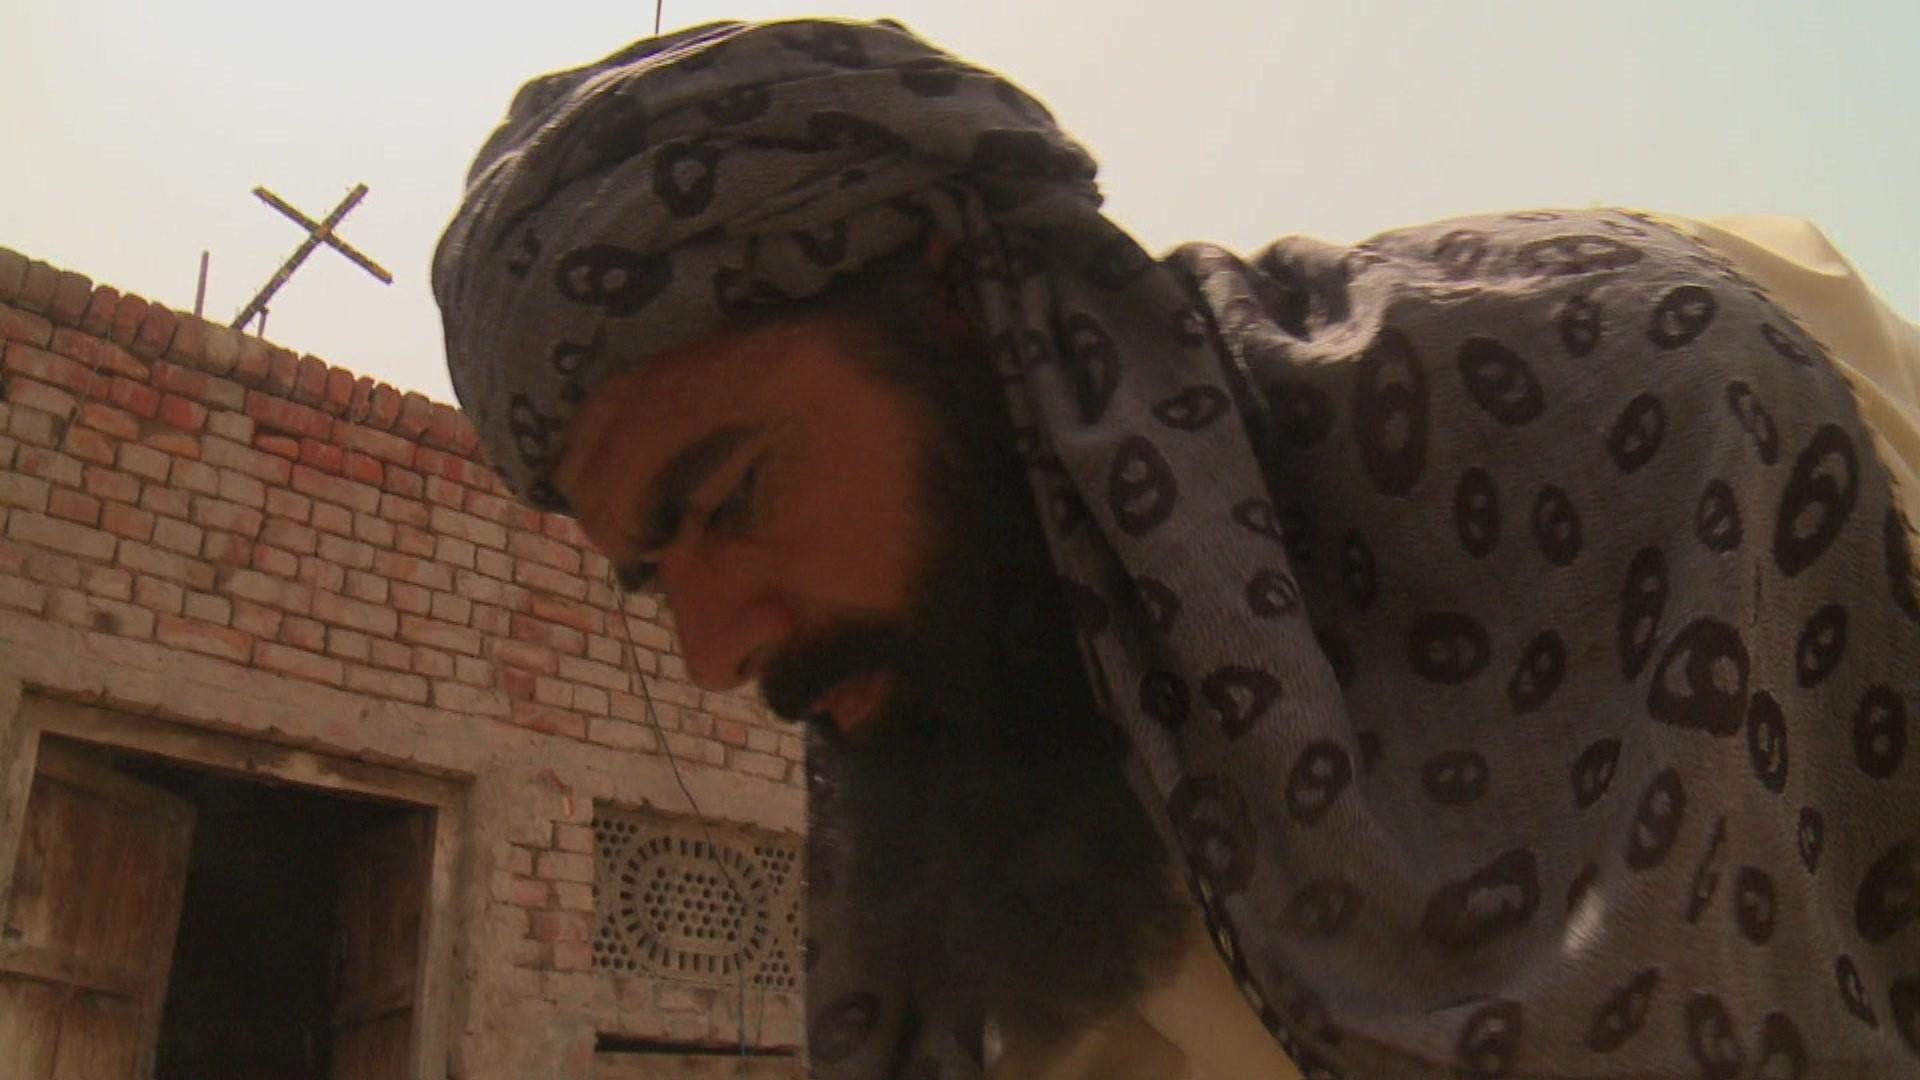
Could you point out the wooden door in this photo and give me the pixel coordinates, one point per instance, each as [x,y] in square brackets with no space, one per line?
[376,952]
[88,935]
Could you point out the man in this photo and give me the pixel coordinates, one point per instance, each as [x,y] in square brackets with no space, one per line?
[1503,634]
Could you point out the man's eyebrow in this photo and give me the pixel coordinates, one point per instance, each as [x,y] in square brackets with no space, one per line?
[666,500]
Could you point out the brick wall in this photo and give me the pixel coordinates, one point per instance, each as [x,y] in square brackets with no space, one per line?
[197,512]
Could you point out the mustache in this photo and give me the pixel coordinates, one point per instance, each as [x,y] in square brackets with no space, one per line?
[802,673]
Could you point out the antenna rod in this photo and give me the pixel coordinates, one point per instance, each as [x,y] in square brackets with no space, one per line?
[200,290]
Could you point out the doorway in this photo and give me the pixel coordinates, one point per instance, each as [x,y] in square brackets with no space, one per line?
[172,920]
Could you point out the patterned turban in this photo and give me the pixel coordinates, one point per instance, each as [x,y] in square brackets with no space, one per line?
[1511,621]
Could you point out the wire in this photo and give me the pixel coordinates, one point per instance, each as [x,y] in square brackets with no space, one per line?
[657,5]
[630,656]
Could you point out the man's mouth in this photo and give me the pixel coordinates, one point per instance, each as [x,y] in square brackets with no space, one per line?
[851,704]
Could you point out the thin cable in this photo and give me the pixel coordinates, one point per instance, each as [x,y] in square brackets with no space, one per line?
[657,5]
[631,657]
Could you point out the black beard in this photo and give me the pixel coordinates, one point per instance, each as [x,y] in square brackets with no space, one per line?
[999,858]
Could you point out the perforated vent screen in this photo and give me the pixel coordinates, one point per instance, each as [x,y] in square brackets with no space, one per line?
[670,901]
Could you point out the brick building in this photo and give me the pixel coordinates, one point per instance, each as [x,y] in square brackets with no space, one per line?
[320,756]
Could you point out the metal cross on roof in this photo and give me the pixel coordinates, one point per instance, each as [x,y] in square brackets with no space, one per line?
[318,232]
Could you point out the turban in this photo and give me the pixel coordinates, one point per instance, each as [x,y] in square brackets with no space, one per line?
[1511,623]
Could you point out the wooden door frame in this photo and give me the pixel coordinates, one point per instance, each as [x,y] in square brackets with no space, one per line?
[243,758]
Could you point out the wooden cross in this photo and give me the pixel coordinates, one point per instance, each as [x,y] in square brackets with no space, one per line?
[318,232]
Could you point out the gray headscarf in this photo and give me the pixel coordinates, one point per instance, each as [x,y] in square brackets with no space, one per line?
[1511,623]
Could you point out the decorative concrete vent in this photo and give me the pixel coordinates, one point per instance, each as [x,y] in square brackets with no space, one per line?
[703,904]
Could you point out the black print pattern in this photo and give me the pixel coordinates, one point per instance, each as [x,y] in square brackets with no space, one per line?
[1507,473]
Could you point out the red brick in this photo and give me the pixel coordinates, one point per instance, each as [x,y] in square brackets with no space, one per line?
[459,697]
[415,412]
[225,516]
[303,633]
[406,483]
[404,511]
[232,426]
[417,571]
[165,501]
[87,445]
[563,529]
[112,582]
[274,561]
[33,394]
[289,505]
[285,416]
[327,517]
[53,368]
[182,413]
[363,468]
[115,422]
[25,326]
[98,319]
[383,445]
[310,380]
[410,598]
[13,273]
[254,619]
[548,720]
[211,390]
[36,291]
[180,444]
[585,619]
[730,732]
[231,455]
[522,892]
[158,596]
[323,455]
[108,484]
[177,535]
[135,397]
[285,446]
[384,406]
[573,838]
[563,866]
[360,402]
[523,545]
[200,637]
[155,333]
[411,541]
[73,506]
[227,549]
[145,461]
[289,534]
[239,488]
[127,315]
[439,635]
[443,426]
[283,370]
[517,683]
[339,390]
[391,684]
[354,614]
[60,536]
[189,344]
[322,574]
[71,294]
[348,493]
[298,663]
[126,521]
[251,365]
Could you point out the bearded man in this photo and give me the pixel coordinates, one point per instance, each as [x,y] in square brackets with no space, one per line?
[1487,650]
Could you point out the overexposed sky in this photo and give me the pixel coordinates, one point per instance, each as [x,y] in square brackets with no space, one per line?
[132,131]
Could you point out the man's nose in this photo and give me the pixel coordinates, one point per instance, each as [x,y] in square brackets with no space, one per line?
[728,619]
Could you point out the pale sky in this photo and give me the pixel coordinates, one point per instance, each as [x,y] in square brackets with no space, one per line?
[132,131]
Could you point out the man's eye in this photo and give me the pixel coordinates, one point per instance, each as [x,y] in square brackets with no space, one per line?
[736,509]
[638,577]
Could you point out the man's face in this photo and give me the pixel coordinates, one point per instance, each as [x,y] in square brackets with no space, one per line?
[773,490]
